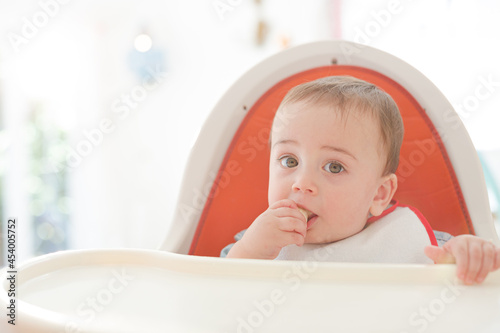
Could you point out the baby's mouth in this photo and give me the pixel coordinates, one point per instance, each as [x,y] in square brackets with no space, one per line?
[311,218]
[307,214]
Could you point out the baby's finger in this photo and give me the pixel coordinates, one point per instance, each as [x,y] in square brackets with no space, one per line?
[460,252]
[438,255]
[284,203]
[285,212]
[293,224]
[297,239]
[287,237]
[474,263]
[487,262]
[497,259]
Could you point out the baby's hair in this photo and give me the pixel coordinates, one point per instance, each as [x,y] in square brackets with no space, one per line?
[346,94]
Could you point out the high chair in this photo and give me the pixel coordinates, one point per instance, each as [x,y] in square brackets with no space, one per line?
[225,184]
[184,287]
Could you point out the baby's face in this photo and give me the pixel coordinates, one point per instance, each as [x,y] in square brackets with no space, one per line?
[329,165]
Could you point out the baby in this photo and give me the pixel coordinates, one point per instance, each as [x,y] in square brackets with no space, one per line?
[335,146]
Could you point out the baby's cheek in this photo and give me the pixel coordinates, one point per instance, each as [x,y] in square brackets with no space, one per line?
[274,194]
[271,191]
[277,189]
[351,224]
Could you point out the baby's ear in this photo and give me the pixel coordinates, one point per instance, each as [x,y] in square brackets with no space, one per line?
[384,194]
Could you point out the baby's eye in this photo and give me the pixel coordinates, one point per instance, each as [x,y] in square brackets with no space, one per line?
[289,162]
[334,167]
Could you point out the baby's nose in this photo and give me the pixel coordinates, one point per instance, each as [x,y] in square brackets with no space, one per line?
[305,183]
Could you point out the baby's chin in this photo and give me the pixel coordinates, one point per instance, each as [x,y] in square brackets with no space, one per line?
[316,237]
[318,240]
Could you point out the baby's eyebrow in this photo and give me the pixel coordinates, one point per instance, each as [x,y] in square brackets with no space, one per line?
[326,147]
[339,150]
[286,141]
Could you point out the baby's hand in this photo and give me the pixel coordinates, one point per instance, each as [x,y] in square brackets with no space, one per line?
[280,225]
[474,256]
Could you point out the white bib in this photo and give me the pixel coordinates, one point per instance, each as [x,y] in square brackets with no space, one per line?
[397,237]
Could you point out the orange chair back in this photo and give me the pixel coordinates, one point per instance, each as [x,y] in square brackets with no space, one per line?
[426,179]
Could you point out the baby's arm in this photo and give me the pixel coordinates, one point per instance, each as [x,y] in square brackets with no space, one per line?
[474,256]
[280,225]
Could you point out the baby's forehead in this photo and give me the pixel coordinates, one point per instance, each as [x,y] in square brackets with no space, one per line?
[289,117]
[353,112]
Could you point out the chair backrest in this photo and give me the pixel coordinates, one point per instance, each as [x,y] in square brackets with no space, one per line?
[232,197]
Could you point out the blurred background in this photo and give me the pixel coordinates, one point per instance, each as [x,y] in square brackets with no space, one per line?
[101,100]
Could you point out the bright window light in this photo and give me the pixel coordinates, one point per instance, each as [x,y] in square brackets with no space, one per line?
[143,43]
